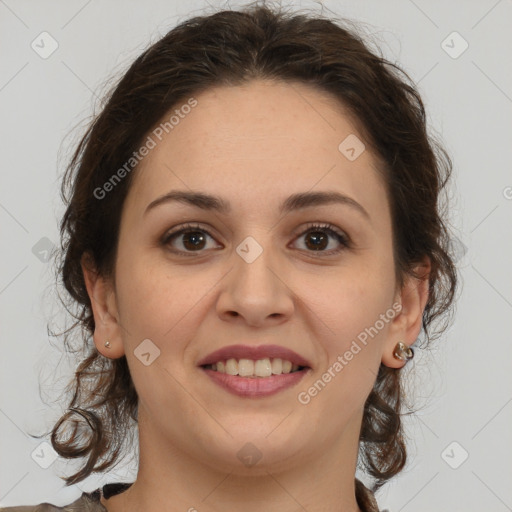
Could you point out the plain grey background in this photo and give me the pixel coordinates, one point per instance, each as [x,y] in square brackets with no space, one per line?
[459,442]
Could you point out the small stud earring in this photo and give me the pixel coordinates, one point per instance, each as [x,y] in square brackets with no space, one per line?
[107,344]
[403,351]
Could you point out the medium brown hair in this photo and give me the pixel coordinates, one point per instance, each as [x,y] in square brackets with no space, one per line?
[232,48]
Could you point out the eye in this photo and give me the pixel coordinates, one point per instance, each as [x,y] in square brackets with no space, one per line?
[193,238]
[317,238]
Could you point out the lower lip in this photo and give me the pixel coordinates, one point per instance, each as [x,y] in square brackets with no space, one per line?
[255,387]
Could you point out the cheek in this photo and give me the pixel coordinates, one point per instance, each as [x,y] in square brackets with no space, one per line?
[163,307]
[353,308]
[152,299]
[352,319]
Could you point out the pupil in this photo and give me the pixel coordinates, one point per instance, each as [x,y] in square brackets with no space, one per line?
[193,236]
[318,238]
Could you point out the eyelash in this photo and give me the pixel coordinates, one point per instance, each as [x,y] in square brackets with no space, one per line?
[328,228]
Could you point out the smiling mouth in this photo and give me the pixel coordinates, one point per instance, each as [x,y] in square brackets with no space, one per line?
[250,368]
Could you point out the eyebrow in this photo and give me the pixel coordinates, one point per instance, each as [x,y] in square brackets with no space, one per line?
[294,202]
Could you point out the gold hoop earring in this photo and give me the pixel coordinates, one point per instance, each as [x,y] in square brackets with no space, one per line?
[403,351]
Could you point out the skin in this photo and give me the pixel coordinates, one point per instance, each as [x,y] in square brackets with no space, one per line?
[254,145]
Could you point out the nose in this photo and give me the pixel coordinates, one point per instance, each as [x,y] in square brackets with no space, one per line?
[256,291]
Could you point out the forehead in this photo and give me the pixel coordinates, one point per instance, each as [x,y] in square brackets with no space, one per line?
[259,141]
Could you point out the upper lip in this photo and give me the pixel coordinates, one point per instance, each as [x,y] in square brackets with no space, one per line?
[255,353]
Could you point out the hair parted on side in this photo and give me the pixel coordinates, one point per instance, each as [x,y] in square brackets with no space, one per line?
[231,48]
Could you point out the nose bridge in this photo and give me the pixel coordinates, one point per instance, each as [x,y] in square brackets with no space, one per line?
[256,258]
[254,289]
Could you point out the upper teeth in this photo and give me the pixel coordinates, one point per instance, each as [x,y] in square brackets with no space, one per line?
[260,368]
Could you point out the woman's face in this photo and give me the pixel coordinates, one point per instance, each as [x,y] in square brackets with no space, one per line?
[255,274]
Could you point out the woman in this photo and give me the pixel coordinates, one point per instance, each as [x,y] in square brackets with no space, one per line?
[254,242]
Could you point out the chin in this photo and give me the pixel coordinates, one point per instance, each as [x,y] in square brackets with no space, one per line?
[254,452]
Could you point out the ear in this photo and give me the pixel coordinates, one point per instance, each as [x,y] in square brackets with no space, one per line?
[406,325]
[104,308]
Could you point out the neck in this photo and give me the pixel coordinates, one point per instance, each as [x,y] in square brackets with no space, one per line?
[170,480]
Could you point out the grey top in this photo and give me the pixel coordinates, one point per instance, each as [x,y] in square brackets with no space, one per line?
[90,501]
